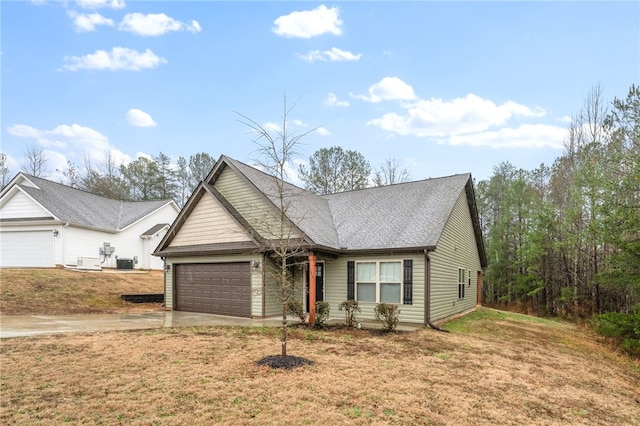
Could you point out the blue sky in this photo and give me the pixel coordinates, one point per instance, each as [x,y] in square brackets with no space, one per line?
[443,88]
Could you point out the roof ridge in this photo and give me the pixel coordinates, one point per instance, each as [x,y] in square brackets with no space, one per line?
[369,188]
[265,173]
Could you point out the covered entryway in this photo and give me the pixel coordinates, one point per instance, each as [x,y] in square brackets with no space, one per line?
[26,249]
[214,288]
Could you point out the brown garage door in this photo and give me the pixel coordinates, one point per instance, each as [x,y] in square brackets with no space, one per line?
[214,288]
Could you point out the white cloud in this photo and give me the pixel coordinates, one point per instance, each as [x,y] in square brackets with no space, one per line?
[439,118]
[300,123]
[75,139]
[523,136]
[96,4]
[272,127]
[88,22]
[139,118]
[120,58]
[323,131]
[155,24]
[471,121]
[332,100]
[387,89]
[309,23]
[333,55]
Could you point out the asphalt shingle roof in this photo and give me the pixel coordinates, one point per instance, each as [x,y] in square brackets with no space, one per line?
[84,209]
[411,214]
[407,215]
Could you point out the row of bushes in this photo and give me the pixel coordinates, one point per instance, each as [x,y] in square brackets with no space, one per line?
[387,314]
[623,329]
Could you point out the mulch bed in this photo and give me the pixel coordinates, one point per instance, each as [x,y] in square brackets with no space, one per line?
[285,362]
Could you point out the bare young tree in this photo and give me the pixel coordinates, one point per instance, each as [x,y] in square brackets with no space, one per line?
[105,180]
[71,174]
[390,173]
[276,149]
[35,162]
[5,169]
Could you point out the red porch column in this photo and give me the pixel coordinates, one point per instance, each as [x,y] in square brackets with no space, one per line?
[312,288]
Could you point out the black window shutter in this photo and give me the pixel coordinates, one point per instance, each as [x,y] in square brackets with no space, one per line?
[351,280]
[408,282]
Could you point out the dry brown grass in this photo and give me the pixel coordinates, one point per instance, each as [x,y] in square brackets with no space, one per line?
[60,291]
[494,368]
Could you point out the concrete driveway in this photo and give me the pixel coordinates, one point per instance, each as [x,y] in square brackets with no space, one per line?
[31,325]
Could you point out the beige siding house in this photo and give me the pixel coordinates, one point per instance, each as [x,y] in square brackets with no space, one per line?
[417,245]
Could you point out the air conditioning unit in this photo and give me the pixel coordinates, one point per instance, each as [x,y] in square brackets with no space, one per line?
[90,263]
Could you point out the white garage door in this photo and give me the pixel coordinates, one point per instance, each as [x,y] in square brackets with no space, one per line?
[26,249]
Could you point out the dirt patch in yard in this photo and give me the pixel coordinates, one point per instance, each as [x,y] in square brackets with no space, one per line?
[493,368]
[60,291]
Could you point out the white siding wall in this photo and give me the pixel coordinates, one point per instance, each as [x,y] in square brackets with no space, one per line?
[209,223]
[80,242]
[336,287]
[256,277]
[21,206]
[456,249]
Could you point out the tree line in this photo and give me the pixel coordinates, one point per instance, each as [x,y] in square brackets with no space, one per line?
[561,239]
[144,179]
[329,170]
[564,240]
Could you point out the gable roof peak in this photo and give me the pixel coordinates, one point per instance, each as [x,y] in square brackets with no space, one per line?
[83,208]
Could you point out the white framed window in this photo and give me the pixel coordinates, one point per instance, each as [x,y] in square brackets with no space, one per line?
[379,281]
[461,283]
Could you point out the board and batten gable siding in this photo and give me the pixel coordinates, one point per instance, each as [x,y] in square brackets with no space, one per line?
[256,277]
[336,286]
[456,249]
[22,206]
[250,204]
[209,223]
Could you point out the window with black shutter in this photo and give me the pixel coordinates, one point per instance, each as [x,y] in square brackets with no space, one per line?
[351,280]
[408,282]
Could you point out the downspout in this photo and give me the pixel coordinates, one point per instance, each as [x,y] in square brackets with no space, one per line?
[264,285]
[427,292]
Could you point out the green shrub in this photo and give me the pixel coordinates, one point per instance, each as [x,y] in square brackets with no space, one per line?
[350,307]
[294,307]
[388,315]
[624,329]
[322,313]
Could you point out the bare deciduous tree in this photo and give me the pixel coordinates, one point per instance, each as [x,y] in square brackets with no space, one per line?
[276,150]
[72,175]
[35,162]
[5,169]
[390,173]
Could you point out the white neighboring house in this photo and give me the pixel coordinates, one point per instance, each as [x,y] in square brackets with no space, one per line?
[48,224]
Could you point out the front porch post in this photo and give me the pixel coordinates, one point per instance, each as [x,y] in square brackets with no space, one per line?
[312,288]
